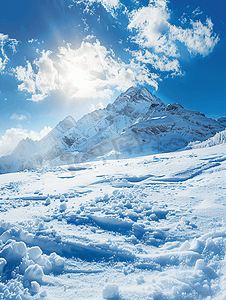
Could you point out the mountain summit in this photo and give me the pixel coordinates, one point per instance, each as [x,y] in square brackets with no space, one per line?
[136,123]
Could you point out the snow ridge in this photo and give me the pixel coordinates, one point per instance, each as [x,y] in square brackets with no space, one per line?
[136,123]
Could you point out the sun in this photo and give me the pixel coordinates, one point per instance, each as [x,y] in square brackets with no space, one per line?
[77,77]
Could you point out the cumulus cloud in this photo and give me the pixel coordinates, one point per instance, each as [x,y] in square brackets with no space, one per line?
[161,42]
[90,71]
[26,75]
[200,39]
[151,25]
[13,136]
[153,29]
[93,71]
[38,83]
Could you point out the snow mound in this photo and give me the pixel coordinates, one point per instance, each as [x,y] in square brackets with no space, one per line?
[110,291]
[34,273]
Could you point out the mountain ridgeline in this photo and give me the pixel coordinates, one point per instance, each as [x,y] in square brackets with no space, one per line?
[136,123]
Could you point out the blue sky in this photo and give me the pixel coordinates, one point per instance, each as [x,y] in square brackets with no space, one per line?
[69,57]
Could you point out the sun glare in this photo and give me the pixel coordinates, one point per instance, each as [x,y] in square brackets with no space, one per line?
[78,78]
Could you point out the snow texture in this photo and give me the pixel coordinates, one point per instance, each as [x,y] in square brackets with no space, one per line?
[110,291]
[150,227]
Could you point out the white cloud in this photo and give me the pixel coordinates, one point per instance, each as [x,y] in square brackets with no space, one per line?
[200,39]
[32,41]
[39,83]
[90,71]
[159,39]
[152,27]
[18,117]
[99,105]
[37,97]
[47,76]
[26,75]
[34,135]
[4,59]
[110,5]
[161,63]
[13,136]
[154,30]
[197,12]
[6,42]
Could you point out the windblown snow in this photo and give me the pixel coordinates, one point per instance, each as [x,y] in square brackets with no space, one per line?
[136,123]
[150,227]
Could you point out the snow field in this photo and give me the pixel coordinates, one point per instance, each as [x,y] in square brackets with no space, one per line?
[144,228]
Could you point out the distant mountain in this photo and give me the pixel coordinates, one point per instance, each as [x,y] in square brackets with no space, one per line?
[136,123]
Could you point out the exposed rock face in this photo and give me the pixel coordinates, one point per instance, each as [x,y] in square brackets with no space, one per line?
[136,123]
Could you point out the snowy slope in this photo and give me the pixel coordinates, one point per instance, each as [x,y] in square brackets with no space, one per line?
[217,139]
[137,123]
[151,227]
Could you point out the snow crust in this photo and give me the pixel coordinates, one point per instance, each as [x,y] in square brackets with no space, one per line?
[150,227]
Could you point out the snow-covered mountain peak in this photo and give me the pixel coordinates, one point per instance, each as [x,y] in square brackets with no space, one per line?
[66,124]
[144,94]
[25,145]
[134,102]
[136,123]
[57,132]
[130,92]
[134,94]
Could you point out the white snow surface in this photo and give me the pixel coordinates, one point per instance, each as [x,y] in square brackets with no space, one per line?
[150,227]
[136,123]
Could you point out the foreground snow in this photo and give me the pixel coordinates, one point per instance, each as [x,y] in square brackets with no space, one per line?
[151,227]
